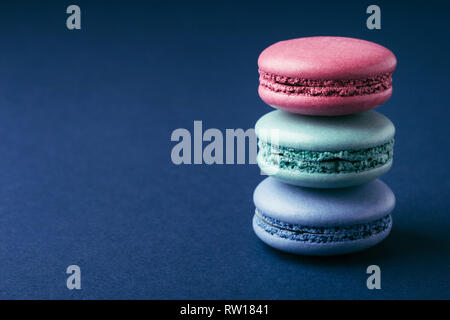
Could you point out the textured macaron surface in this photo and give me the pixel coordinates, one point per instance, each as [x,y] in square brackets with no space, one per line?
[319,234]
[327,145]
[350,132]
[336,88]
[322,221]
[297,61]
[325,75]
[315,208]
[326,161]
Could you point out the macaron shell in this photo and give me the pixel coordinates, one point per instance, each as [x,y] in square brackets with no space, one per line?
[323,106]
[327,58]
[323,207]
[351,132]
[323,180]
[319,249]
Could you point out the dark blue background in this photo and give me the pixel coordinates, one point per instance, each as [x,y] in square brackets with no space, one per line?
[86,175]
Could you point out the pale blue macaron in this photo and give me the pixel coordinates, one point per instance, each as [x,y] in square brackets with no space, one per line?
[325,152]
[322,221]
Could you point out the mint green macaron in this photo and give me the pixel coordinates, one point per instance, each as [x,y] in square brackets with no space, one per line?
[325,152]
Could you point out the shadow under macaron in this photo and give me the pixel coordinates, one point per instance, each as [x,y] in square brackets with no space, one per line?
[403,245]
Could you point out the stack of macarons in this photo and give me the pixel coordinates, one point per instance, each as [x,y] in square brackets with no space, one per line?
[324,147]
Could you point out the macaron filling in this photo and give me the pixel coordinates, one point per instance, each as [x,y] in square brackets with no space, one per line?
[313,234]
[338,88]
[326,162]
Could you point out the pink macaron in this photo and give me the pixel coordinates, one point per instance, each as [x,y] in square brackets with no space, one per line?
[325,75]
